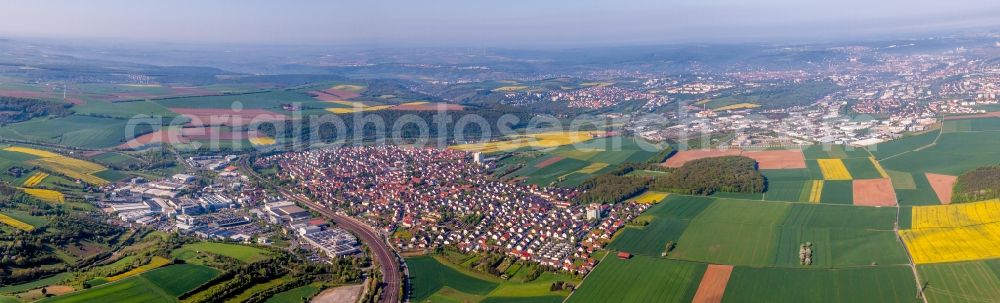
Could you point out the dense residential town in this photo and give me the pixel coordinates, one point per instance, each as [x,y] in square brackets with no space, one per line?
[428,198]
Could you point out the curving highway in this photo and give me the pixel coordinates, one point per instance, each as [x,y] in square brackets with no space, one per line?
[384,255]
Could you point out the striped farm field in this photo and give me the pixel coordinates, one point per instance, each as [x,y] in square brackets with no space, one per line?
[816,191]
[31,151]
[154,263]
[789,191]
[976,281]
[834,169]
[35,179]
[737,106]
[46,195]
[650,197]
[956,215]
[862,168]
[956,232]
[878,167]
[534,140]
[592,168]
[861,284]
[615,280]
[71,167]
[936,245]
[5,219]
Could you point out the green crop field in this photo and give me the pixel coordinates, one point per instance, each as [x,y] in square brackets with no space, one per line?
[902,145]
[977,281]
[954,154]
[837,192]
[160,285]
[862,168]
[428,276]
[262,100]
[56,279]
[733,232]
[115,158]
[640,279]
[24,216]
[542,299]
[433,280]
[791,191]
[550,173]
[671,218]
[967,125]
[839,247]
[124,110]
[727,243]
[177,279]
[746,232]
[774,175]
[921,192]
[864,284]
[835,216]
[75,130]
[135,289]
[295,295]
[834,152]
[240,252]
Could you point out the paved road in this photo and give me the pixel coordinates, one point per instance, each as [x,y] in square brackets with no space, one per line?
[383,254]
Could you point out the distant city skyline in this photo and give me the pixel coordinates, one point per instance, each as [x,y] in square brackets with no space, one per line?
[486,23]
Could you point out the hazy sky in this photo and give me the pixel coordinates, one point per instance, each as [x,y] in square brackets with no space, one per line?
[486,22]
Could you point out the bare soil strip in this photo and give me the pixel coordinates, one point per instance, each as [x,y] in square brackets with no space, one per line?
[713,284]
[942,185]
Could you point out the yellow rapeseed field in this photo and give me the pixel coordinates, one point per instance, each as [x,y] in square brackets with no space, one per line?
[536,140]
[878,167]
[262,141]
[15,223]
[650,197]
[71,167]
[354,107]
[956,232]
[511,88]
[592,168]
[956,215]
[936,245]
[737,106]
[816,191]
[834,169]
[597,84]
[348,87]
[35,179]
[32,151]
[46,195]
[154,263]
